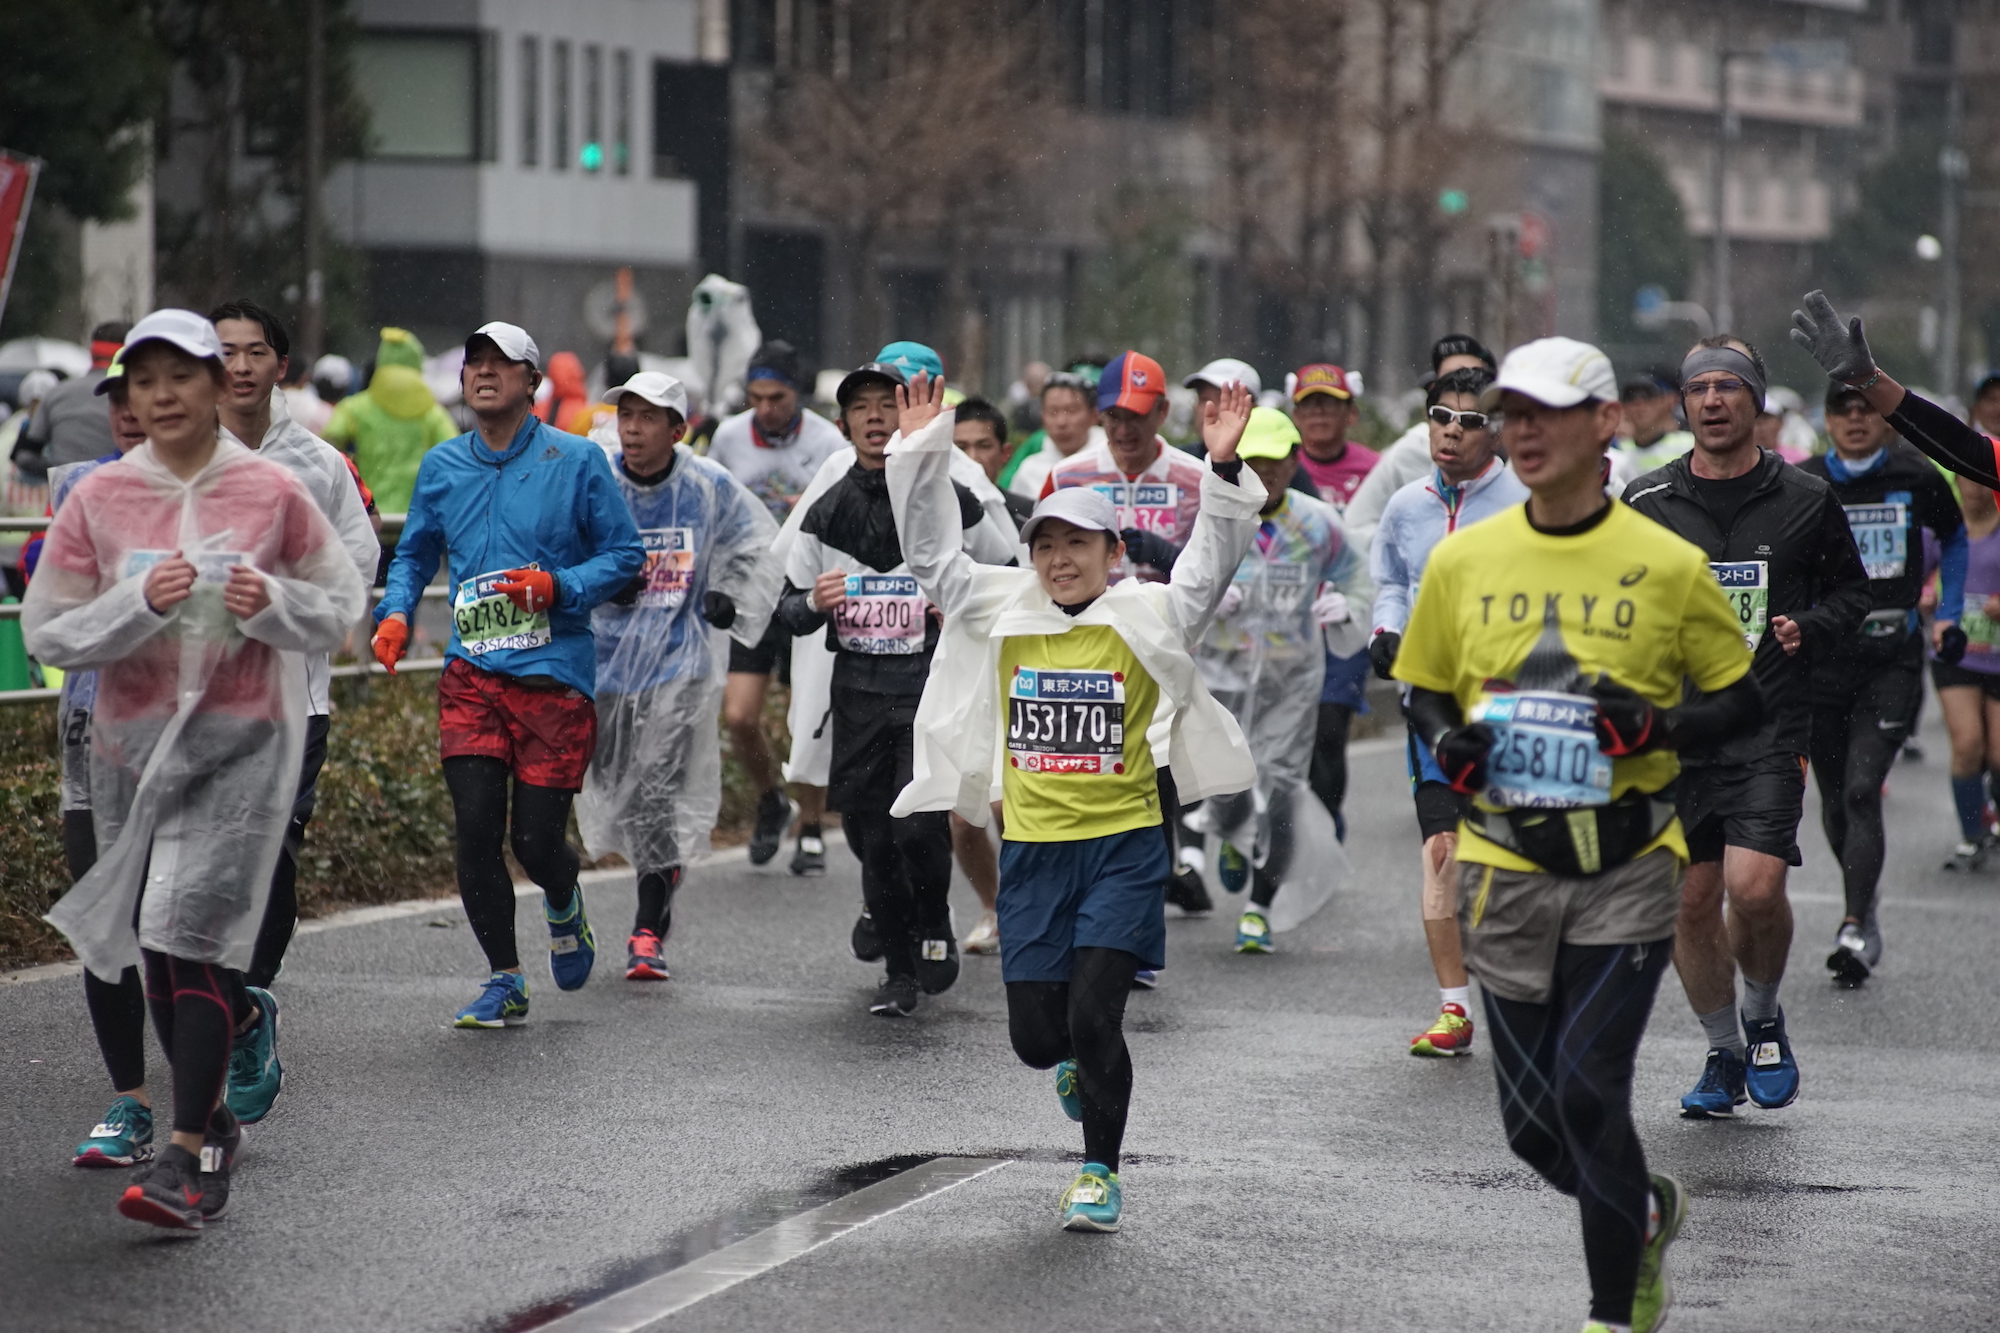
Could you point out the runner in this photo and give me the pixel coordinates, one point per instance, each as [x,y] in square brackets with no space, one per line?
[1069,425]
[1262,659]
[1083,664]
[655,784]
[1468,483]
[1968,690]
[198,725]
[1408,459]
[1546,655]
[1649,430]
[390,426]
[774,449]
[536,533]
[981,435]
[845,573]
[1778,542]
[1866,689]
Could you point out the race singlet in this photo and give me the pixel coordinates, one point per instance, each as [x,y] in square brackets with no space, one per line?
[882,616]
[203,613]
[1882,535]
[1066,721]
[486,619]
[1982,632]
[1151,506]
[1747,585]
[1545,754]
[669,571]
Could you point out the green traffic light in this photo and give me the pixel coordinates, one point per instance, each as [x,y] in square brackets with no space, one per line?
[1453,202]
[592,156]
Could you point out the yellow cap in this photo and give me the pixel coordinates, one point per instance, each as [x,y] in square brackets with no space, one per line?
[1270,434]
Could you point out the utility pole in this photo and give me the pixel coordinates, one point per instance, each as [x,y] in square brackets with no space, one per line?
[1952,167]
[312,315]
[1726,129]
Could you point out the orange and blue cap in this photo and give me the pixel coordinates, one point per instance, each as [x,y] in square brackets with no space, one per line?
[1133,381]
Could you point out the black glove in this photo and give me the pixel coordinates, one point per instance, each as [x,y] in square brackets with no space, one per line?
[1461,753]
[1382,652]
[1150,548]
[1951,645]
[1840,349]
[629,594]
[718,609]
[1627,723]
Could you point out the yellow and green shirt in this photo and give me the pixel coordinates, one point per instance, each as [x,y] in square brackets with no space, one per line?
[1077,765]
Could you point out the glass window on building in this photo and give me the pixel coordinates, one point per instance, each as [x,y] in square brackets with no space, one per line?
[621,115]
[559,149]
[531,101]
[591,156]
[422,93]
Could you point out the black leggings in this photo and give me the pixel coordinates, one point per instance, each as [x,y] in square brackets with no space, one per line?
[194,1007]
[656,901]
[538,836]
[1328,777]
[1082,1019]
[1853,744]
[1565,1075]
[905,879]
[281,914]
[1265,879]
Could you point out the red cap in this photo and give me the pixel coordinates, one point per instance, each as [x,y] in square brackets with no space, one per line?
[1133,381]
[1322,378]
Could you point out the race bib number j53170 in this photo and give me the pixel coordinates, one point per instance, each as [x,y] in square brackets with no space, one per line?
[1747,585]
[1882,535]
[1066,721]
[487,619]
[669,570]
[883,615]
[1545,754]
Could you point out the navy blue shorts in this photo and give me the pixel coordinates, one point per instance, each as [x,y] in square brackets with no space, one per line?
[1101,893]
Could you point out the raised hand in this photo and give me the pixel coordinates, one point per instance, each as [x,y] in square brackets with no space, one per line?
[1223,422]
[919,404]
[1840,348]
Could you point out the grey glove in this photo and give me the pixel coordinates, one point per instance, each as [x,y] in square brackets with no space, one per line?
[1840,349]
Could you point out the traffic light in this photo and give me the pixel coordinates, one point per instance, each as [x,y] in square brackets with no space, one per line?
[1453,202]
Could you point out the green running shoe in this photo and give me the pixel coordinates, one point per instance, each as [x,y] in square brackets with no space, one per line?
[255,1073]
[1069,1089]
[1093,1201]
[1253,933]
[1232,867]
[1655,1293]
[123,1138]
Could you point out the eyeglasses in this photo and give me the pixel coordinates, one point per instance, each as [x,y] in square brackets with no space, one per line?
[1444,416]
[1701,388]
[1853,407]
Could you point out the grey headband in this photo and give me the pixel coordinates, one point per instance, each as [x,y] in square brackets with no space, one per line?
[1704,359]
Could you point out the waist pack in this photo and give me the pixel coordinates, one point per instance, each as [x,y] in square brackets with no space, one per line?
[1580,842]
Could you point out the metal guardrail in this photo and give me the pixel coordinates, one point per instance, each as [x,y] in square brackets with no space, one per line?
[390,522]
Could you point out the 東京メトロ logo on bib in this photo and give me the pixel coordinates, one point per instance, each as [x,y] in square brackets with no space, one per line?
[1747,585]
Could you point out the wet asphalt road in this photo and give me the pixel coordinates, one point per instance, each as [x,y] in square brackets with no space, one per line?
[1288,1165]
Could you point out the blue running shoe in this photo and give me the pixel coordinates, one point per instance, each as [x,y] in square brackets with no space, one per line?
[1145,979]
[572,948]
[123,1138]
[255,1074]
[1232,868]
[1773,1075]
[1093,1200]
[1720,1091]
[503,1003]
[1069,1089]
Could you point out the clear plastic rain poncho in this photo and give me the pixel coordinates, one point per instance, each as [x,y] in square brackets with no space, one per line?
[200,717]
[1264,660]
[654,787]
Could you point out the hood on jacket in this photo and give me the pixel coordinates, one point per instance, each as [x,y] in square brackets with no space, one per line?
[401,392]
[399,347]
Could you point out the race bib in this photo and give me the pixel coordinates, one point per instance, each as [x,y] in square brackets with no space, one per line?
[1747,585]
[883,615]
[487,620]
[1545,754]
[1882,535]
[669,571]
[202,615]
[1066,721]
[209,566]
[1982,632]
[1151,506]
[1888,623]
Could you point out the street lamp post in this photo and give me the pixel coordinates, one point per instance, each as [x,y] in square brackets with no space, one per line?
[1952,169]
[312,326]
[1726,129]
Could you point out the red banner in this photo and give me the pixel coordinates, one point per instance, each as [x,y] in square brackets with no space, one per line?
[17,193]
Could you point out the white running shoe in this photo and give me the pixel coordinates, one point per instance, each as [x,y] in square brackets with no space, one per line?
[985,937]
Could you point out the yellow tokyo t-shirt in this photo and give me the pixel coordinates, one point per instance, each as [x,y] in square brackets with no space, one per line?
[1076,707]
[1508,618]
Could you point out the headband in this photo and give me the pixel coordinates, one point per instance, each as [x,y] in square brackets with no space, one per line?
[769,373]
[1704,359]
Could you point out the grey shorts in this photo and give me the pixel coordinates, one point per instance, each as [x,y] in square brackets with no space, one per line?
[1512,921]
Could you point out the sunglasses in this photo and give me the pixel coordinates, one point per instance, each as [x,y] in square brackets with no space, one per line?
[1444,416]
[1701,388]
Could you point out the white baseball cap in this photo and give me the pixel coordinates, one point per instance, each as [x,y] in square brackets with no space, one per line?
[656,387]
[1555,372]
[1080,505]
[183,328]
[1225,371]
[512,340]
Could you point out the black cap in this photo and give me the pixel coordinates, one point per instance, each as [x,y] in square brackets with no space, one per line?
[777,358]
[1990,380]
[873,372]
[1641,386]
[1460,344]
[1837,392]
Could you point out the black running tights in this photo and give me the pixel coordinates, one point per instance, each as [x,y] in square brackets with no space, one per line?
[1565,1075]
[656,901]
[905,878]
[1328,777]
[1082,1019]
[538,838]
[281,914]
[1852,749]
[1278,838]
[194,1007]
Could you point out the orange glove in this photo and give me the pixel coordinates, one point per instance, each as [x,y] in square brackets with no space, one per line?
[531,589]
[392,640]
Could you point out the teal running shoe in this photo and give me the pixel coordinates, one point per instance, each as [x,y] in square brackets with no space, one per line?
[1093,1201]
[1253,933]
[1655,1293]
[503,1003]
[123,1138]
[1069,1089]
[572,948]
[1232,868]
[255,1074]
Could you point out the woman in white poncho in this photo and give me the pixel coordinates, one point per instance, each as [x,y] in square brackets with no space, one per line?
[191,578]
